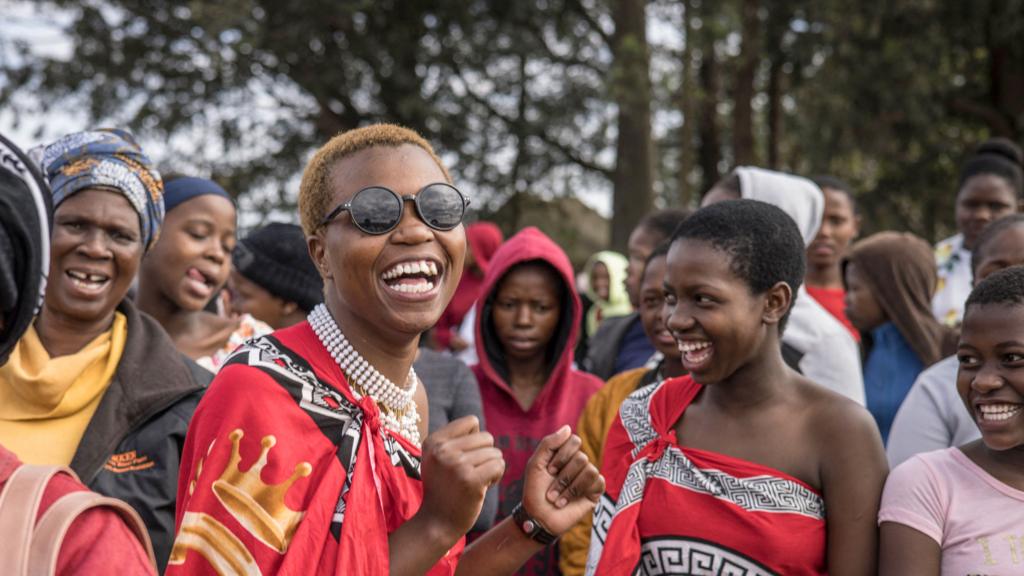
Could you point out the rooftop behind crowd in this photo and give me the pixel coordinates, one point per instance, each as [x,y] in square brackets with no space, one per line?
[390,389]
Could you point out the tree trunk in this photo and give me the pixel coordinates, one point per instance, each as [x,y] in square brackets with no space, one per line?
[631,87]
[686,100]
[1006,83]
[709,154]
[748,59]
[774,110]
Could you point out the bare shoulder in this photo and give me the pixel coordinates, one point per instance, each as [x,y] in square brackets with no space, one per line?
[835,418]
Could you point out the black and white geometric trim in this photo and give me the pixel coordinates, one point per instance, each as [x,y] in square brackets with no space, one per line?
[763,493]
[669,556]
[635,413]
[337,418]
[755,493]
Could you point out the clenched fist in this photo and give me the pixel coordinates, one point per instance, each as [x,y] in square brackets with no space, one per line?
[459,464]
[561,485]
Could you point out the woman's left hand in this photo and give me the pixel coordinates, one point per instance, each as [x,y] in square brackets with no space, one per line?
[561,485]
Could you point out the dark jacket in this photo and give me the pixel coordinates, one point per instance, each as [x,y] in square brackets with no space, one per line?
[131,448]
[603,347]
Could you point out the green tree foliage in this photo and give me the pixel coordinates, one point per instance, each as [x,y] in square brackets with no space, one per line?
[530,98]
[512,93]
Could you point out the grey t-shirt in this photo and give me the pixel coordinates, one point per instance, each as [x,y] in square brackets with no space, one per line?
[932,416]
[452,392]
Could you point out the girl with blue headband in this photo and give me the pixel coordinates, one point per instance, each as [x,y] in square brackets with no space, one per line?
[189,266]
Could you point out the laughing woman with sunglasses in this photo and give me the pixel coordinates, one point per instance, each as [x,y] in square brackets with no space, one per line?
[305,455]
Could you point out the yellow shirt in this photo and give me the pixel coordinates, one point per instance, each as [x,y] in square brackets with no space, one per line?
[46,403]
[595,422]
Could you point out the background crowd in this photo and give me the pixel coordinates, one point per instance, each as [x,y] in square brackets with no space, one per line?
[126,291]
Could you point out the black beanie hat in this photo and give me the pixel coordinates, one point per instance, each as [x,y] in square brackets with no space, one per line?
[25,221]
[276,258]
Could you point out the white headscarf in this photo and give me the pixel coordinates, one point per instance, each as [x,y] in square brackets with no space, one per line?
[797,196]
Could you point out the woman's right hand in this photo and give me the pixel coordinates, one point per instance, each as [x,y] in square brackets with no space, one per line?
[459,463]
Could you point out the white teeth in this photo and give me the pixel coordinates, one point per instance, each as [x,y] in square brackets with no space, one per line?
[693,346]
[410,268]
[997,408]
[418,288]
[82,278]
[999,412]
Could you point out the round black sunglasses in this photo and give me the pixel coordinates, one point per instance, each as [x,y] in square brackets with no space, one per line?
[378,210]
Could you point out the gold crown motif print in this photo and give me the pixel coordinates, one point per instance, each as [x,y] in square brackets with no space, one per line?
[258,506]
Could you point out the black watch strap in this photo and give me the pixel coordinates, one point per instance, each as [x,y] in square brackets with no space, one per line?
[532,528]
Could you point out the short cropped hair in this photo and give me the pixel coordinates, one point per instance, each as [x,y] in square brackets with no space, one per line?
[763,242]
[997,156]
[989,234]
[1005,287]
[660,252]
[315,190]
[664,222]
[833,183]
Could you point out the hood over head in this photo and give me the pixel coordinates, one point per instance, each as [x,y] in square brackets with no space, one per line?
[529,245]
[802,199]
[483,238]
[618,303]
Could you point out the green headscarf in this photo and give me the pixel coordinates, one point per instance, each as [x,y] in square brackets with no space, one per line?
[617,303]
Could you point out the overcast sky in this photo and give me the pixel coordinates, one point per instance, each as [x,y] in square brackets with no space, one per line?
[43,29]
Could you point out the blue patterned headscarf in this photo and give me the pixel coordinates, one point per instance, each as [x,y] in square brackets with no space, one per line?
[106,158]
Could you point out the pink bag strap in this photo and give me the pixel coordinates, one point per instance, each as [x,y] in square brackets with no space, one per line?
[54,525]
[19,504]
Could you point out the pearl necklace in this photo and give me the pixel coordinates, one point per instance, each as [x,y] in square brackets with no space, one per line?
[397,408]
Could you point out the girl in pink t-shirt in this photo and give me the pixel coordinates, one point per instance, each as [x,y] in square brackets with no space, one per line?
[961,510]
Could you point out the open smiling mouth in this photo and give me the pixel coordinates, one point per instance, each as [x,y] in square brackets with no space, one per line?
[696,354]
[88,281]
[997,412]
[413,277]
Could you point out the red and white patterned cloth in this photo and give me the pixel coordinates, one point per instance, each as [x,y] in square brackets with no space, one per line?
[669,509]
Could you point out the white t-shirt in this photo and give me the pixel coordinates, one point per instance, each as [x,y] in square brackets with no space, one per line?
[932,416]
[977,520]
[830,355]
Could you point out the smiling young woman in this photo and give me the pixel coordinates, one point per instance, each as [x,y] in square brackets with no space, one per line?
[188,266]
[335,412]
[743,463]
[95,384]
[959,510]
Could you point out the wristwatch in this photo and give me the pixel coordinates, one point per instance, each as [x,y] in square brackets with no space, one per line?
[532,528]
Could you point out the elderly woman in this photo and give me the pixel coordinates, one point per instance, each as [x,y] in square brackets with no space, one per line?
[304,457]
[93,383]
[25,220]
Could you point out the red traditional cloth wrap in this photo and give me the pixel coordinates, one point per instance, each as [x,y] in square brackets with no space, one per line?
[675,510]
[284,471]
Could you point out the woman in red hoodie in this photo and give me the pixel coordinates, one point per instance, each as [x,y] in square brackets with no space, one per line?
[483,239]
[528,318]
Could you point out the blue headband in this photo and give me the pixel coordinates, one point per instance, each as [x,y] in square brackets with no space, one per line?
[181,189]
